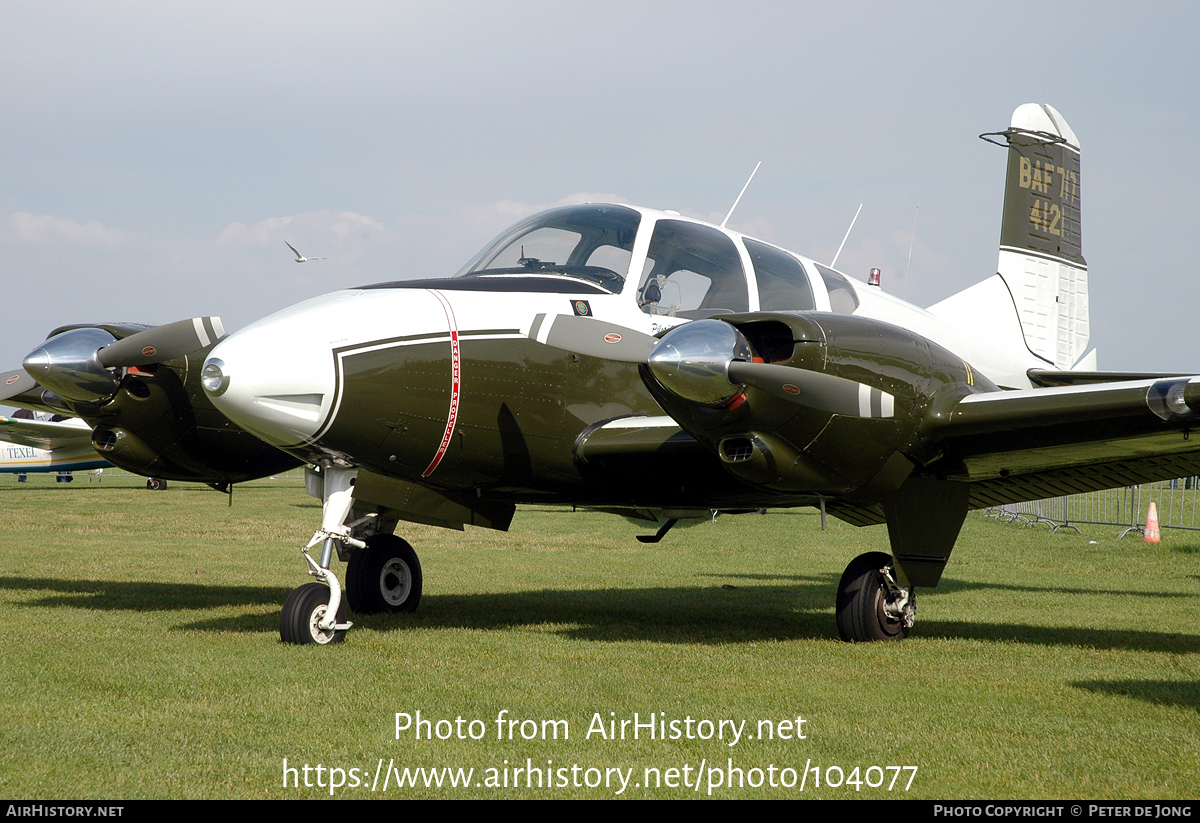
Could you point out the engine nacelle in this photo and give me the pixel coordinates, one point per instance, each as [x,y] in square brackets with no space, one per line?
[806,402]
[152,418]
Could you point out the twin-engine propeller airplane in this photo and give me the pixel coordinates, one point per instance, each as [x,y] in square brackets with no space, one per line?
[651,365]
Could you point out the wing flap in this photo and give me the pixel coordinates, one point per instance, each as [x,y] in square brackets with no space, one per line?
[1061,482]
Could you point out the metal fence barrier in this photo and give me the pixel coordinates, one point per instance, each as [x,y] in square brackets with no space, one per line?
[1177,502]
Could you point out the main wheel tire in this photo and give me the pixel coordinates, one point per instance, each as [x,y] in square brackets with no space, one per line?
[860,601]
[384,577]
[156,484]
[304,609]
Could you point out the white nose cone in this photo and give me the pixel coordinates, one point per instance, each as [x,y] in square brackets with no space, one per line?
[275,378]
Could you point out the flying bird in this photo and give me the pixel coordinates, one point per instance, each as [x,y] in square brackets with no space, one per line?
[300,258]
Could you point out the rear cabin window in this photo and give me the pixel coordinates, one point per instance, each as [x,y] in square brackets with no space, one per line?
[842,297]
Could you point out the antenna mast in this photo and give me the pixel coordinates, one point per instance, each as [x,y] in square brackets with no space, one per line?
[739,197]
[839,251]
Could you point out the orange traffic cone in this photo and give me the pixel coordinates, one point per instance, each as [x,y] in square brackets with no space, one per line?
[1151,525]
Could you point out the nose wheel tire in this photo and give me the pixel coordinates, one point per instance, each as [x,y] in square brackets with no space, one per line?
[862,599]
[385,577]
[302,614]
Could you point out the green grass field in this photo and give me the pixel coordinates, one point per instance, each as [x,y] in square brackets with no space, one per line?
[142,658]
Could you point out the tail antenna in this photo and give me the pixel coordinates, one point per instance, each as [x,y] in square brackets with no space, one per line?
[739,197]
[911,241]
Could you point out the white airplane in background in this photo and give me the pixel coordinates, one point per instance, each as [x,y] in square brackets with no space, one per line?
[40,444]
[643,363]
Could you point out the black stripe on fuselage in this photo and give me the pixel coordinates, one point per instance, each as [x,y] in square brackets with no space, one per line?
[545,285]
[405,340]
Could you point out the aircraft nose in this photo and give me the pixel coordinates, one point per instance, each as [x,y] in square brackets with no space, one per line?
[273,378]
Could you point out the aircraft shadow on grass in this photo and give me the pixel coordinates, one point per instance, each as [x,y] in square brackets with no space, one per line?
[700,614]
[949,586]
[138,595]
[1182,693]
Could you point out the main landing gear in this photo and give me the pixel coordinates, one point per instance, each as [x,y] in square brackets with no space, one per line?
[383,573]
[385,577]
[871,605]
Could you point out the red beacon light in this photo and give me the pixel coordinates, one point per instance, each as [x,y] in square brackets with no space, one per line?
[873,279]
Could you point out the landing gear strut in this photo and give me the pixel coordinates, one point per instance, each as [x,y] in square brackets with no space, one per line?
[314,613]
[871,605]
[383,573]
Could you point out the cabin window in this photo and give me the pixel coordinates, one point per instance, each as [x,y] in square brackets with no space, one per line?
[782,282]
[842,297]
[692,271]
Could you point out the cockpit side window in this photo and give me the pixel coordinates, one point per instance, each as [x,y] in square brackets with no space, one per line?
[692,271]
[842,297]
[782,282]
[593,243]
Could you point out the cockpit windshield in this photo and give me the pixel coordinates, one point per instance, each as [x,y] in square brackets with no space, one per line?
[593,243]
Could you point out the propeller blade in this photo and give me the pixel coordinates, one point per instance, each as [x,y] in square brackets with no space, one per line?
[13,383]
[162,342]
[816,390]
[594,338]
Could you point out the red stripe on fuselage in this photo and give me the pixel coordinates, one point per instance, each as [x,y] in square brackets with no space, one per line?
[455,382]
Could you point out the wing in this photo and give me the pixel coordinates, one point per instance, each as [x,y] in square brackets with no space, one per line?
[45,434]
[1036,443]
[640,460]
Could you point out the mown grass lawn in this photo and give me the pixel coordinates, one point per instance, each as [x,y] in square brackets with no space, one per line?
[142,657]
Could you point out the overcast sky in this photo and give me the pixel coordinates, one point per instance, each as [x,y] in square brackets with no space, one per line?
[156,156]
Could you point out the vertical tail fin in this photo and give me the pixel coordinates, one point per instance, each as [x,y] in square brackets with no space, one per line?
[1041,257]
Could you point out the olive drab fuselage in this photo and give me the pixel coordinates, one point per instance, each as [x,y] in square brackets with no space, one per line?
[522,407]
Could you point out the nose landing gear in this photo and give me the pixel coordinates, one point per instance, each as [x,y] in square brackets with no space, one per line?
[304,617]
[383,573]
